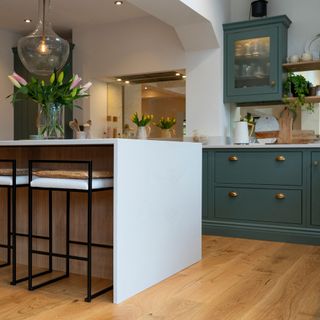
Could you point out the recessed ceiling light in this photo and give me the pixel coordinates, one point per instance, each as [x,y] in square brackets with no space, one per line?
[178,74]
[118,3]
[27,20]
[119,79]
[184,76]
[145,88]
[127,82]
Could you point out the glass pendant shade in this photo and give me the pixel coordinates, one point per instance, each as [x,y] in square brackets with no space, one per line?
[43,51]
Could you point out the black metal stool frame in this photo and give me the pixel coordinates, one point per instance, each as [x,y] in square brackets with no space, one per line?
[11,206]
[11,216]
[67,255]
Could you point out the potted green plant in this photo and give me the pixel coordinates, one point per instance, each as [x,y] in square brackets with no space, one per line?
[296,86]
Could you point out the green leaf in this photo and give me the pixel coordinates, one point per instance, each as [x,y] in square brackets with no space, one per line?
[24,90]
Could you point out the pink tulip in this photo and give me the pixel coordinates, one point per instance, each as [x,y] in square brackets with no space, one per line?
[19,79]
[75,82]
[85,87]
[14,82]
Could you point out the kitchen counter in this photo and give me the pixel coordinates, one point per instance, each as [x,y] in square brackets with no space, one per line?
[153,215]
[260,146]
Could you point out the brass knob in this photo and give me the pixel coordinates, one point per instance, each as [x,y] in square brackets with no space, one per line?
[273,83]
[280,158]
[233,194]
[233,158]
[280,196]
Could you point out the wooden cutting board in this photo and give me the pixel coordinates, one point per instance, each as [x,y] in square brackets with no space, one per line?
[303,136]
[285,122]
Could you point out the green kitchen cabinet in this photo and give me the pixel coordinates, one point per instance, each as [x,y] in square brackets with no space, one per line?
[254,52]
[262,193]
[26,111]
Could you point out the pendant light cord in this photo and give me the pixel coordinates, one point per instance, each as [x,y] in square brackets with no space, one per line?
[43,17]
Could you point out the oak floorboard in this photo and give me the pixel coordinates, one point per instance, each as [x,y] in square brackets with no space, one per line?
[237,279]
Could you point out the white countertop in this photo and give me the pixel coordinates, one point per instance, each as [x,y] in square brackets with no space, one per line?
[75,142]
[214,145]
[260,146]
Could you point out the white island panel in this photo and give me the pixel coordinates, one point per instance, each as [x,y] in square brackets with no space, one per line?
[157,213]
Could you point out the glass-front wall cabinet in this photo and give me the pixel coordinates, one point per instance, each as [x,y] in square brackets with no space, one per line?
[254,52]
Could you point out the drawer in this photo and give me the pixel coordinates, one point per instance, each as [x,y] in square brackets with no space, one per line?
[264,205]
[282,168]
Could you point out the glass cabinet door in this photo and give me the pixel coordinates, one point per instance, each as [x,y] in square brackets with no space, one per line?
[252,62]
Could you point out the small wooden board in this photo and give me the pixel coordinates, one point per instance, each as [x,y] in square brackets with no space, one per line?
[285,122]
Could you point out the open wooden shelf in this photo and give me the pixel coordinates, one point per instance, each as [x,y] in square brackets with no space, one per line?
[312,99]
[302,66]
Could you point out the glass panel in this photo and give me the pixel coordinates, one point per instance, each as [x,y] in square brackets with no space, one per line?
[252,62]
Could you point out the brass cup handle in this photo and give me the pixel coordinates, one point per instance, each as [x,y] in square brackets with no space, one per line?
[233,194]
[280,158]
[280,196]
[233,158]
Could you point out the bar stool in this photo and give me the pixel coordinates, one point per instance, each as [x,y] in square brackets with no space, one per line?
[11,179]
[52,180]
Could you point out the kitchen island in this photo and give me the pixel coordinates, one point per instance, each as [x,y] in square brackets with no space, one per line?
[261,191]
[152,217]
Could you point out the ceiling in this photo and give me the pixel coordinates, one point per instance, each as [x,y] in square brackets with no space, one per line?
[66,14]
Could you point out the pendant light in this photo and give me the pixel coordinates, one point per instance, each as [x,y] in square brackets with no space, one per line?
[43,51]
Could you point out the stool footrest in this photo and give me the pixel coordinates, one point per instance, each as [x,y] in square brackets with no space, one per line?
[48,282]
[98,293]
[100,245]
[33,236]
[59,255]
[6,264]
[6,246]
[33,276]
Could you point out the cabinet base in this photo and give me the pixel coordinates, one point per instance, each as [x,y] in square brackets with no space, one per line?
[262,232]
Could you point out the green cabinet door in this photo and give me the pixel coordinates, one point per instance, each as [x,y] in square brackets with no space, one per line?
[253,55]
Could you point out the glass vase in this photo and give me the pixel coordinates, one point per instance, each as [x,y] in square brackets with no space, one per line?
[52,121]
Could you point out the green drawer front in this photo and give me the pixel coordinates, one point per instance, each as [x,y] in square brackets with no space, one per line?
[258,205]
[283,168]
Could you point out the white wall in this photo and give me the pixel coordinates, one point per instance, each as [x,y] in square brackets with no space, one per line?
[204,99]
[7,40]
[131,47]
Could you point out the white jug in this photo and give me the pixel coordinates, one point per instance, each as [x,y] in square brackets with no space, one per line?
[241,133]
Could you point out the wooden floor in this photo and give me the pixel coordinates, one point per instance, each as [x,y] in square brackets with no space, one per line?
[237,279]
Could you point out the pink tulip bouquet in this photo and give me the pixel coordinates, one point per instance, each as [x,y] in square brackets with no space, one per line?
[56,91]
[51,97]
